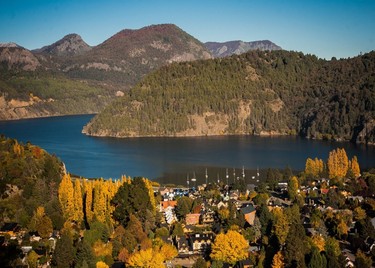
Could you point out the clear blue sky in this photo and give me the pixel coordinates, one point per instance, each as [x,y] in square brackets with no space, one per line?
[328,28]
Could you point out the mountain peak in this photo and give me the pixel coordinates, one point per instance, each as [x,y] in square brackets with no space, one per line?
[69,45]
[10,44]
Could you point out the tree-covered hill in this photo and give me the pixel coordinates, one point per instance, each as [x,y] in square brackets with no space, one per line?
[276,92]
[29,178]
[39,93]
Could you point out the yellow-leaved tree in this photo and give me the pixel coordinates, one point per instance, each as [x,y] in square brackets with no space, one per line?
[280,226]
[338,164]
[314,168]
[354,167]
[278,260]
[318,241]
[66,197]
[146,258]
[78,202]
[230,247]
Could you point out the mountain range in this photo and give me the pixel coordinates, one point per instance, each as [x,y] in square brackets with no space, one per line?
[31,81]
[214,88]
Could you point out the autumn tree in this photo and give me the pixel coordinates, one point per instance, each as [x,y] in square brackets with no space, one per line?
[278,260]
[32,259]
[314,168]
[41,223]
[78,202]
[146,258]
[354,167]
[66,197]
[337,164]
[89,214]
[293,187]
[230,247]
[280,225]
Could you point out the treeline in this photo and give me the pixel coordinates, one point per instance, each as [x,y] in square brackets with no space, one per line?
[278,91]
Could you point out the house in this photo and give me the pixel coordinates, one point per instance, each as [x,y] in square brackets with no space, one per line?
[222,204]
[201,242]
[165,204]
[170,216]
[207,217]
[182,245]
[192,218]
[249,213]
[10,228]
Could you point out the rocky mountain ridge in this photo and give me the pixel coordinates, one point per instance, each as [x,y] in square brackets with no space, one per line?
[224,49]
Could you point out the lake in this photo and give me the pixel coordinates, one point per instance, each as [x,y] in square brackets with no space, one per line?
[171,159]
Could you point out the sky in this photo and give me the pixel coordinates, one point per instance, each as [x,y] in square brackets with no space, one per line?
[330,28]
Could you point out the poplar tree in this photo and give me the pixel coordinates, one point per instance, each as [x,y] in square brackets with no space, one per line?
[337,164]
[89,215]
[78,203]
[66,197]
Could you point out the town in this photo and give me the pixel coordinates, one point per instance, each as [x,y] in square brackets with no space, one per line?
[320,217]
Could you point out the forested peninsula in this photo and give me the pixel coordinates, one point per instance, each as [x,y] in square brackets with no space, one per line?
[259,92]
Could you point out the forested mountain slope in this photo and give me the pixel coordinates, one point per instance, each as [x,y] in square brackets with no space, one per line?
[276,92]
[29,177]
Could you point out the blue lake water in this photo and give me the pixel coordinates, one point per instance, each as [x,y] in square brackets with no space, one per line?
[158,158]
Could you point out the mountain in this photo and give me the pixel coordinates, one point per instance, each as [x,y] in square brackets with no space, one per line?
[219,50]
[259,92]
[69,76]
[69,45]
[13,56]
[127,56]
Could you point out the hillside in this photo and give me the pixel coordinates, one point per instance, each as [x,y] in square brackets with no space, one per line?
[219,50]
[260,93]
[29,177]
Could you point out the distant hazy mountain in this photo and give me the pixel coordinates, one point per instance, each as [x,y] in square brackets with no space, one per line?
[71,44]
[220,50]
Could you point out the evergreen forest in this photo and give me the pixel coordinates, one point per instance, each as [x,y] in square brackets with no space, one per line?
[260,93]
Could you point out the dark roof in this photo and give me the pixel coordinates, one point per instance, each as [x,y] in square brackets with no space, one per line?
[248,209]
[10,226]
